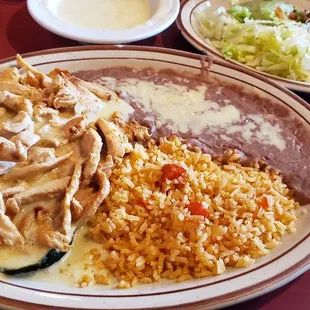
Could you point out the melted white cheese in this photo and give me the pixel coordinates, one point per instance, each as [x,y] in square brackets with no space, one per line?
[186,109]
[182,109]
[75,264]
[104,14]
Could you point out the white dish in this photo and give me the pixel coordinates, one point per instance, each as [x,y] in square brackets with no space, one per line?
[281,266]
[49,14]
[187,25]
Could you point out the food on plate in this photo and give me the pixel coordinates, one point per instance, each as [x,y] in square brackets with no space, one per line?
[270,36]
[176,214]
[51,154]
[216,116]
[168,175]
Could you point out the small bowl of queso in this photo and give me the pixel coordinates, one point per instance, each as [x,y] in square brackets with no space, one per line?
[104,21]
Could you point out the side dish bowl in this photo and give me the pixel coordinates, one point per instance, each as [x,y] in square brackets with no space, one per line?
[46,13]
[188,25]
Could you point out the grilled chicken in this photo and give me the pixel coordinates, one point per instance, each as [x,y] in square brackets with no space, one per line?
[75,128]
[47,234]
[11,191]
[9,234]
[2,112]
[70,192]
[10,151]
[25,225]
[19,123]
[91,145]
[133,130]
[2,204]
[15,102]
[36,168]
[117,142]
[96,200]
[100,91]
[41,154]
[6,166]
[32,143]
[31,80]
[27,138]
[10,75]
[50,138]
[48,190]
[106,165]
[41,112]
[76,209]
[71,94]
[44,80]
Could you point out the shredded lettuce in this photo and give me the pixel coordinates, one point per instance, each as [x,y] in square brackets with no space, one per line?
[265,10]
[239,13]
[279,47]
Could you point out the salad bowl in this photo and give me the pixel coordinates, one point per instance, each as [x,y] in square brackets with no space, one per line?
[188,22]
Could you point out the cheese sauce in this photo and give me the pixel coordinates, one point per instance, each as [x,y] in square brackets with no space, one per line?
[105,14]
[71,269]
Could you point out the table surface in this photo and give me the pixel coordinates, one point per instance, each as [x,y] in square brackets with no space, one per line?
[19,33]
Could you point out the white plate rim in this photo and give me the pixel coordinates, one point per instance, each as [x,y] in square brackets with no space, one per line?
[251,292]
[185,25]
[150,28]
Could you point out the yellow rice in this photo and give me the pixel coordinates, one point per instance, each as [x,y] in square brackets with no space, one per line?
[149,233]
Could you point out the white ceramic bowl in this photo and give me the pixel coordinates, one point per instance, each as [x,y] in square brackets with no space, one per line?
[188,26]
[45,13]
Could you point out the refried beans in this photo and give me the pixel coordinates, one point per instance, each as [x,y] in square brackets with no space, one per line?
[216,116]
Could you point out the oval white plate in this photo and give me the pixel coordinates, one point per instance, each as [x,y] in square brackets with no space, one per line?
[282,265]
[187,25]
[44,12]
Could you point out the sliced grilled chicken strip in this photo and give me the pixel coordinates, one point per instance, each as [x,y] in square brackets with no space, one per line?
[2,204]
[97,199]
[32,80]
[44,79]
[48,236]
[19,123]
[91,144]
[100,91]
[10,151]
[15,102]
[71,94]
[36,168]
[27,138]
[24,226]
[133,130]
[57,71]
[83,194]
[76,209]
[41,112]
[6,166]
[45,191]
[117,142]
[50,138]
[70,192]
[9,234]
[106,165]
[10,192]
[10,75]
[75,128]
[41,154]
[2,112]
